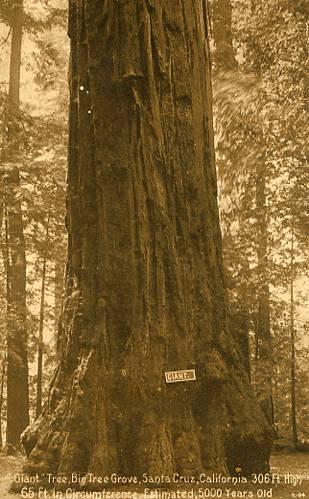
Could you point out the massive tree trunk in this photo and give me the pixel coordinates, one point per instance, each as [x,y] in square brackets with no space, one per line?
[17,363]
[144,281]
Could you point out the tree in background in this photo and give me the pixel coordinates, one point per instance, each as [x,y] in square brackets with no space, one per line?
[226,74]
[17,360]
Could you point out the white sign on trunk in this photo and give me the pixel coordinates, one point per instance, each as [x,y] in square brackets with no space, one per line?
[177,376]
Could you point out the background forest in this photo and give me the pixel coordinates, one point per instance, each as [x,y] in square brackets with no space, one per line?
[260,94]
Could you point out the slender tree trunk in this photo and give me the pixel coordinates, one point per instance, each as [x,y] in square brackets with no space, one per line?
[41,344]
[293,352]
[264,342]
[6,261]
[17,363]
[224,59]
[58,293]
[59,281]
[41,326]
[264,365]
[1,396]
[6,253]
[2,290]
[145,291]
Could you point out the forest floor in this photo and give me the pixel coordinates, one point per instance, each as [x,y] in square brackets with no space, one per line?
[292,469]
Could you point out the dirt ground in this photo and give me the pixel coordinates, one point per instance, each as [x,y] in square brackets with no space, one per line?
[289,467]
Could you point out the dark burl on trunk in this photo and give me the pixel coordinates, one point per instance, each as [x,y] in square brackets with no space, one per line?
[145,291]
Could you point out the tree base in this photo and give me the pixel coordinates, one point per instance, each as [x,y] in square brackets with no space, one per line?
[213,427]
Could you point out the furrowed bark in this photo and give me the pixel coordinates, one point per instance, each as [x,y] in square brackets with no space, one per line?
[144,280]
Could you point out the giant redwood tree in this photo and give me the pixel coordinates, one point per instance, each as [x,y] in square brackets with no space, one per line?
[144,281]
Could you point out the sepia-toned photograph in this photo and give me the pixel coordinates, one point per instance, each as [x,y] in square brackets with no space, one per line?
[154,244]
